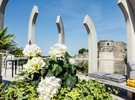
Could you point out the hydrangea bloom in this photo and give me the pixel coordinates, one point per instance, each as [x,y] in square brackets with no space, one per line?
[48,87]
[71,61]
[34,65]
[58,50]
[32,50]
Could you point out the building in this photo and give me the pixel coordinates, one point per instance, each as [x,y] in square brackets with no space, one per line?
[109,49]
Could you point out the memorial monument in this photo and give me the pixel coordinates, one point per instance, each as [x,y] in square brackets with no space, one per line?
[32,23]
[61,34]
[92,44]
[3,4]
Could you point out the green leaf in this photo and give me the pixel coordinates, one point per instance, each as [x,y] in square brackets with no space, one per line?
[35,83]
[50,73]
[66,65]
[47,61]
[56,69]
[70,81]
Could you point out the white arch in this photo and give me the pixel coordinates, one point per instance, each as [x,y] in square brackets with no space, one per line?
[61,34]
[128,9]
[32,22]
[92,43]
[3,4]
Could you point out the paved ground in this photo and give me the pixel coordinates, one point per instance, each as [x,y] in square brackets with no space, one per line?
[8,77]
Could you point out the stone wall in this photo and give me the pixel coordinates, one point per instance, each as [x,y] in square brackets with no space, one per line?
[84,55]
[109,47]
[119,49]
[106,65]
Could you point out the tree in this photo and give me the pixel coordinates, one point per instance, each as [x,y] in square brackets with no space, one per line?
[17,52]
[81,51]
[6,40]
[6,43]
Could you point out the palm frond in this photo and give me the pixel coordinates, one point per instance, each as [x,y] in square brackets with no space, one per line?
[3,32]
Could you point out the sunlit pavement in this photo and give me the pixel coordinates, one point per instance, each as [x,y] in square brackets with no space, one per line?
[8,75]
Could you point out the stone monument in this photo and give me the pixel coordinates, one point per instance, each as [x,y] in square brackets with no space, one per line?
[32,22]
[60,26]
[3,4]
[128,9]
[92,43]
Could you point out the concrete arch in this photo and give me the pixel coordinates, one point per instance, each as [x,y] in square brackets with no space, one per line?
[3,4]
[128,9]
[32,22]
[92,44]
[61,34]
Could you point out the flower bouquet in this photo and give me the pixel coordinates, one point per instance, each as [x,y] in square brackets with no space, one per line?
[53,78]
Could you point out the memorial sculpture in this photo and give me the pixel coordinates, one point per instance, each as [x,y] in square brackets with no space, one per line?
[92,42]
[128,9]
[60,26]
[3,4]
[32,22]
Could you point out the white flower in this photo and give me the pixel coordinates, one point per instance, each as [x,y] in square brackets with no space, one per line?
[48,87]
[19,78]
[32,50]
[34,65]
[71,61]
[58,50]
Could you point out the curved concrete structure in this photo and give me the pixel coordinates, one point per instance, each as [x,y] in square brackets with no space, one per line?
[32,22]
[3,4]
[128,9]
[92,42]
[60,26]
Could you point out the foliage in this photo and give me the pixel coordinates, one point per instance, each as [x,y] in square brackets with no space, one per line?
[86,90]
[81,51]
[58,65]
[18,90]
[6,40]
[62,69]
[21,62]
[17,52]
[83,90]
[53,78]
[82,67]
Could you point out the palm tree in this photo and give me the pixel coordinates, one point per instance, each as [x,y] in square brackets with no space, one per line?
[6,40]
[17,52]
[6,43]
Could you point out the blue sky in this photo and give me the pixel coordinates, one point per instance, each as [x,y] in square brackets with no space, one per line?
[105,14]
